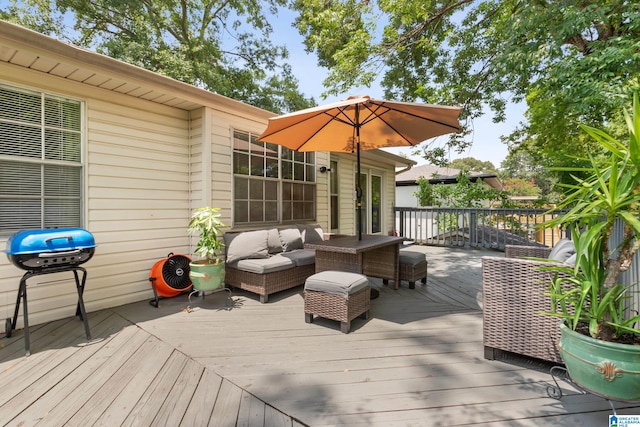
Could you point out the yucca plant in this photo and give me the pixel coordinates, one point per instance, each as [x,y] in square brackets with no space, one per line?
[589,292]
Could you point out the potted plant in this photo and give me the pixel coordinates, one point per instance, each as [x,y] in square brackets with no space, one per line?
[600,341]
[207,273]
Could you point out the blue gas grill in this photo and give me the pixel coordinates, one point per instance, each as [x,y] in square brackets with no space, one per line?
[46,251]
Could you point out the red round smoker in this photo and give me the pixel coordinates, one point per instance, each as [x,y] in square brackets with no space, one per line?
[170,276]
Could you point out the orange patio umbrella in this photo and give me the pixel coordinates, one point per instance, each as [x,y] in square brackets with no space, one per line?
[361,123]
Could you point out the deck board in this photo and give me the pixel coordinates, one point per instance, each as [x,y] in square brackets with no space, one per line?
[418,360]
[179,398]
[25,395]
[203,400]
[151,402]
[227,405]
[251,412]
[121,386]
[90,377]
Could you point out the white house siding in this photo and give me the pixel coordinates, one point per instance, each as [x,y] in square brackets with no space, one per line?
[405,197]
[138,195]
[388,200]
[195,154]
[346,194]
[323,197]
[136,201]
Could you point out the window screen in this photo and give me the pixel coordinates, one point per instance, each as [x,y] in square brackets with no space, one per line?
[40,161]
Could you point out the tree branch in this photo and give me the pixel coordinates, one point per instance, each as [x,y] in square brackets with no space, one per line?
[438,16]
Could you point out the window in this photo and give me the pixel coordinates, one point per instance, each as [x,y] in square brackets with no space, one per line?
[271,183]
[40,161]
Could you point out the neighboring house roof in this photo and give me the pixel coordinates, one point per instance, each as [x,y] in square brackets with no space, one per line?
[442,175]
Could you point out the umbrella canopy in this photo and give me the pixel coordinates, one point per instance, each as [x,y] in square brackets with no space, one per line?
[361,123]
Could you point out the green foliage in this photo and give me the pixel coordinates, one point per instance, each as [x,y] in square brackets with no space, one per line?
[571,61]
[465,193]
[607,191]
[424,194]
[473,165]
[579,295]
[37,15]
[522,165]
[207,224]
[521,187]
[223,47]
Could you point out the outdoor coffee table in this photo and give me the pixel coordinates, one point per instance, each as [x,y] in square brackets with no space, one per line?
[373,256]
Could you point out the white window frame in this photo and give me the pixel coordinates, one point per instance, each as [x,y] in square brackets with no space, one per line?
[30,194]
[302,167]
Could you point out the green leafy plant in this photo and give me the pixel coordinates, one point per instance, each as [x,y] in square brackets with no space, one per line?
[605,192]
[579,295]
[206,222]
[425,192]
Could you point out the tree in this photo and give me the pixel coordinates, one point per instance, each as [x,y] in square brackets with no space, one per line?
[520,187]
[36,15]
[424,194]
[570,60]
[223,47]
[473,165]
[521,165]
[463,194]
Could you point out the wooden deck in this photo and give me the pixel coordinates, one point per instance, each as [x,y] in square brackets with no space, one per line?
[417,361]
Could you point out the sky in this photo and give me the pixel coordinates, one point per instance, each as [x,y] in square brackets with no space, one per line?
[486,134]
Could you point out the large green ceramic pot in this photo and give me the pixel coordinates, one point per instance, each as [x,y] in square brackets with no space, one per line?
[206,276]
[610,370]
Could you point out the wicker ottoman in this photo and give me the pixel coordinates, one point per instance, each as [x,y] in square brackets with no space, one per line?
[337,295]
[413,267]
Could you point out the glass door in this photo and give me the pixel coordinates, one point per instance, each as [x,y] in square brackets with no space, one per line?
[361,214]
[334,189]
[371,185]
[376,204]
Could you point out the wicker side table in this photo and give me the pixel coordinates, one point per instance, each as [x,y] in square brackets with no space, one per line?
[337,295]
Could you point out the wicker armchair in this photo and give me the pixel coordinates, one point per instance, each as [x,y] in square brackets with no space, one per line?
[512,293]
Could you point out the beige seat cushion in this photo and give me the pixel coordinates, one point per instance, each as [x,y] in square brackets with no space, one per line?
[336,282]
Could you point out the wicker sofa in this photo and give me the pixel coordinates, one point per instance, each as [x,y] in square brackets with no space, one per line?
[513,295]
[269,261]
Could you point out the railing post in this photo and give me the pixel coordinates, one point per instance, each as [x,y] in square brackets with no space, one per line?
[473,227]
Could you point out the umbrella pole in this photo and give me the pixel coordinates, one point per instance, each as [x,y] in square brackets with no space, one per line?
[359,190]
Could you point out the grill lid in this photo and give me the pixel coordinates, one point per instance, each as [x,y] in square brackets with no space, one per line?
[49,240]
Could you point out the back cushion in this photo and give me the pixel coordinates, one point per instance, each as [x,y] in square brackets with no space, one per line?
[275,246]
[563,250]
[248,244]
[310,233]
[290,238]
